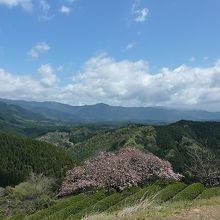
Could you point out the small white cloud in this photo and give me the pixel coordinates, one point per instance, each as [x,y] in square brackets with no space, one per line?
[140,14]
[65,10]
[60,68]
[192,59]
[130,46]
[27,5]
[71,1]
[45,10]
[38,49]
[48,79]
[204,59]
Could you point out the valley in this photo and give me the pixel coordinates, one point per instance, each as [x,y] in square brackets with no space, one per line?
[43,171]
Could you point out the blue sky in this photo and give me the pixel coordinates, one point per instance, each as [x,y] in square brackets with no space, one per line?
[64,50]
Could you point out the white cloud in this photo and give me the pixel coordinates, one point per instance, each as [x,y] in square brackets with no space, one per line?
[38,49]
[128,83]
[65,10]
[26,87]
[71,1]
[48,79]
[129,46]
[23,87]
[140,14]
[25,4]
[192,59]
[123,82]
[45,10]
[206,58]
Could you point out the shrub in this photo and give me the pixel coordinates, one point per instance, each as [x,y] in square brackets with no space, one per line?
[44,202]
[203,165]
[29,196]
[169,192]
[190,192]
[34,187]
[129,167]
[210,192]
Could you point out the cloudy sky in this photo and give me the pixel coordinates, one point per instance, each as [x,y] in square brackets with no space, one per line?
[120,52]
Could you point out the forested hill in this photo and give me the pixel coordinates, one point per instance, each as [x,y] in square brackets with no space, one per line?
[185,144]
[184,141]
[180,143]
[156,139]
[15,119]
[19,156]
[15,113]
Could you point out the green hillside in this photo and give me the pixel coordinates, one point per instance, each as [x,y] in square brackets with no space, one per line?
[177,143]
[10,112]
[20,156]
[15,119]
[175,138]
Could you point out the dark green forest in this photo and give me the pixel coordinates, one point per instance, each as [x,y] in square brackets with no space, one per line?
[20,156]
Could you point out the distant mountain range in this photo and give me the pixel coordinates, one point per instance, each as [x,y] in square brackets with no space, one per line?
[54,111]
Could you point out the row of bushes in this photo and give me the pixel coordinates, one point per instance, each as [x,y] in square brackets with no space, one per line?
[147,192]
[169,192]
[210,192]
[77,206]
[105,203]
[190,192]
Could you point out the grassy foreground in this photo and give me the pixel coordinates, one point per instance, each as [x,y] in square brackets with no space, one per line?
[205,209]
[174,201]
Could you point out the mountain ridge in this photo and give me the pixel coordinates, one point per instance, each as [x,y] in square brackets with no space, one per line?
[102,112]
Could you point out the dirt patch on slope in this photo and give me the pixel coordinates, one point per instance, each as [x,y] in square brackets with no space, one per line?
[199,213]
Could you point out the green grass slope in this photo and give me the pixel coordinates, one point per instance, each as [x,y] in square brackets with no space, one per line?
[170,196]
